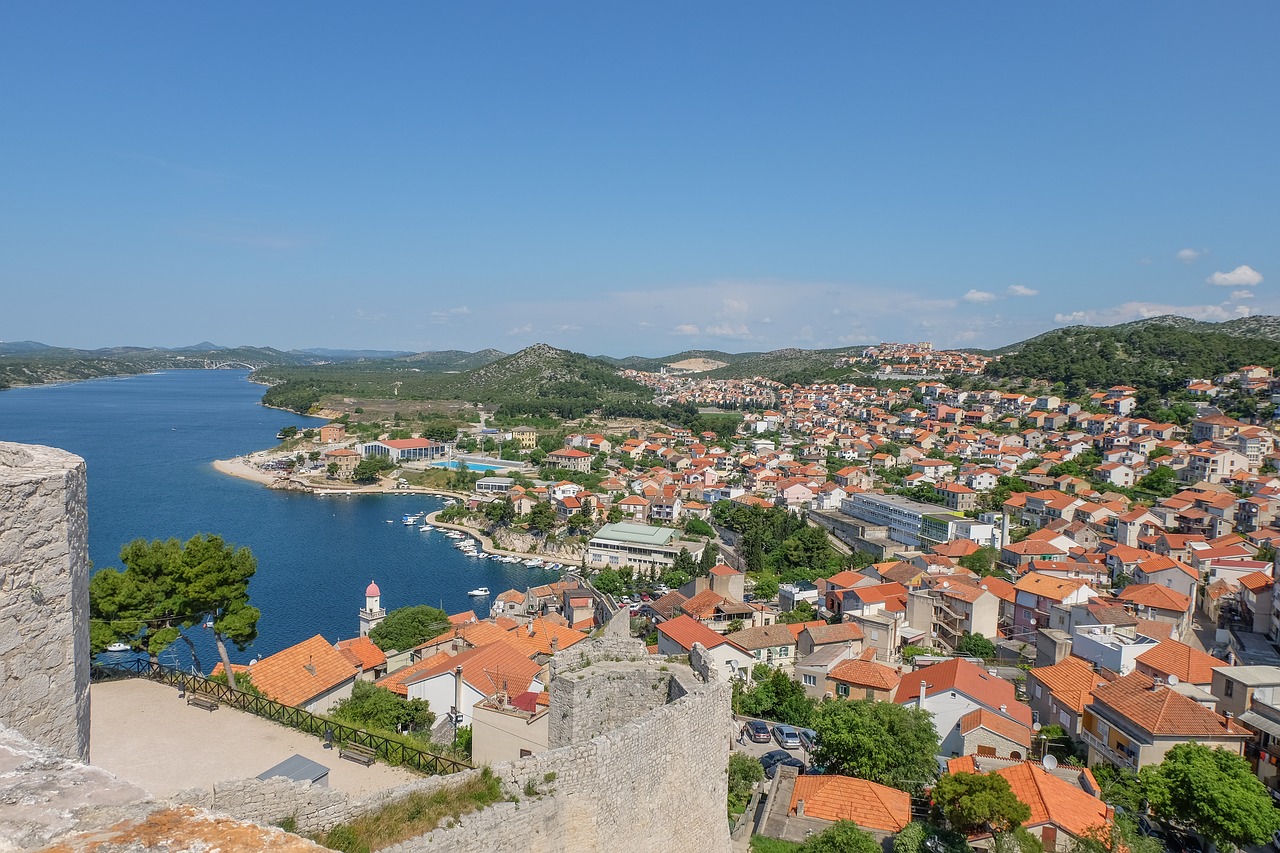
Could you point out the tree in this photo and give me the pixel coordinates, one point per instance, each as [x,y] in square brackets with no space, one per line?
[542,518]
[332,469]
[802,612]
[710,556]
[288,432]
[369,470]
[774,696]
[1119,835]
[684,563]
[883,742]
[843,836]
[1213,792]
[979,802]
[167,588]
[976,646]
[615,514]
[407,627]
[695,526]
[744,773]
[608,582]
[766,588]
[442,431]
[371,705]
[980,561]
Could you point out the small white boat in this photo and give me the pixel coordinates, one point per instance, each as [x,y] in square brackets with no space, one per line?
[533,562]
[391,521]
[118,647]
[480,590]
[426,527]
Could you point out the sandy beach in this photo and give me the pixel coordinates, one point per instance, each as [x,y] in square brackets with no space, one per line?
[239,468]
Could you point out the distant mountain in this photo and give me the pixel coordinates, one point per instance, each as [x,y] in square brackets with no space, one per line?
[203,346]
[1158,353]
[14,347]
[351,354]
[787,365]
[645,363]
[452,360]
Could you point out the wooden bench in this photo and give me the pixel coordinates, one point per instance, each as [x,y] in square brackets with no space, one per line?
[360,754]
[200,700]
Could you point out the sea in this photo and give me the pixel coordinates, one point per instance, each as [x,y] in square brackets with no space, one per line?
[149,442]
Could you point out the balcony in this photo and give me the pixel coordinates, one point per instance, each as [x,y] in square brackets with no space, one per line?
[1119,759]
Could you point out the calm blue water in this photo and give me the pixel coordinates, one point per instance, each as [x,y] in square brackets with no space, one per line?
[148,442]
[452,465]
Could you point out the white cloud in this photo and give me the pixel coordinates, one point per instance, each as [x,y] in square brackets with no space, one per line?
[979,296]
[1022,290]
[687,329]
[1188,256]
[521,330]
[568,327]
[1241,294]
[461,309]
[1241,276]
[1073,317]
[728,330]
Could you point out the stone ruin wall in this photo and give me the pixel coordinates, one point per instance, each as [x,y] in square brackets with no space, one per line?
[44,597]
[654,781]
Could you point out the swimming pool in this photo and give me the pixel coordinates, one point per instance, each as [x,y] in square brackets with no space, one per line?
[452,465]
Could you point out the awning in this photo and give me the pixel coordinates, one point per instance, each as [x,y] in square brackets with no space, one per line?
[1256,721]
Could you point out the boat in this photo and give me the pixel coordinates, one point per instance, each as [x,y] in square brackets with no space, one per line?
[118,647]
[480,590]
[534,562]
[426,527]
[391,521]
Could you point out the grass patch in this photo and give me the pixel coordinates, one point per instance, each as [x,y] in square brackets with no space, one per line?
[414,815]
[760,844]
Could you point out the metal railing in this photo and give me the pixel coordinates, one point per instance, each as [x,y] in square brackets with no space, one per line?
[1116,757]
[392,751]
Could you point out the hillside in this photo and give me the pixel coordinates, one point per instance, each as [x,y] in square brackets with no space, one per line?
[453,359]
[640,362]
[1150,354]
[537,380]
[787,365]
[31,363]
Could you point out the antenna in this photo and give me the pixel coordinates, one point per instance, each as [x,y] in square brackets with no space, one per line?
[1173,681]
[1050,763]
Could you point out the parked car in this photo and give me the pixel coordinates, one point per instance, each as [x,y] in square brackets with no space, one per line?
[758,731]
[1151,829]
[772,757]
[808,740]
[786,736]
[789,761]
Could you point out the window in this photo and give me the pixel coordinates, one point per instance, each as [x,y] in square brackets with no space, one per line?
[810,681]
[842,690]
[1037,691]
[1230,687]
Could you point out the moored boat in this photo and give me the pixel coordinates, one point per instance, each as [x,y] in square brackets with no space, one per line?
[479,591]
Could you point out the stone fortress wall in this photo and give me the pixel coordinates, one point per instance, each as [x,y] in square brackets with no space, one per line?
[44,597]
[638,757]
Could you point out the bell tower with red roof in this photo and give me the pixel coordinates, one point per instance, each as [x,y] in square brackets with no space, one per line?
[372,614]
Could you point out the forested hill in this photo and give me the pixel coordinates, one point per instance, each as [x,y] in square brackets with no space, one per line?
[32,363]
[537,380]
[1157,356]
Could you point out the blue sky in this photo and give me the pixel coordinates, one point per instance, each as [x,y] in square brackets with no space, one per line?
[639,178]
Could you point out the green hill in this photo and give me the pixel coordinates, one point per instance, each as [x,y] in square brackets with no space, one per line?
[641,362]
[788,365]
[1158,354]
[33,364]
[538,380]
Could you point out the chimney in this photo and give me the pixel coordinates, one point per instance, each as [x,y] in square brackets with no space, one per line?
[457,693]
[555,645]
[924,687]
[1004,709]
[1226,719]
[800,808]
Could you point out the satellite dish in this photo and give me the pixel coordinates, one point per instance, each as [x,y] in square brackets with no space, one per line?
[1050,763]
[1035,727]
[1173,681]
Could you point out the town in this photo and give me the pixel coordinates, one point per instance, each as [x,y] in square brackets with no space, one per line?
[1075,597]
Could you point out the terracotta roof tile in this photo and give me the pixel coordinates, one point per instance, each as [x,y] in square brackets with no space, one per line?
[295,675]
[367,655]
[1054,801]
[1161,711]
[1071,681]
[866,673]
[1170,657]
[498,666]
[395,682]
[685,631]
[1003,726]
[538,634]
[867,804]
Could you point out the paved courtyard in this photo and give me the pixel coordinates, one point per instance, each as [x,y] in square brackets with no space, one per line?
[143,733]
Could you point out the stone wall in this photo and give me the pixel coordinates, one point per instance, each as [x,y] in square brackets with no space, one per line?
[44,597]
[651,779]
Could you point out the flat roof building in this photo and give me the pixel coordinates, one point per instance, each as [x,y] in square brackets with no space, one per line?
[649,549]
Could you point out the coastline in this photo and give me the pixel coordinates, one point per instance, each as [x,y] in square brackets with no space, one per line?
[239,468]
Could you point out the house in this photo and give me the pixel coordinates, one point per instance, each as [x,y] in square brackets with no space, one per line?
[312,675]
[473,676]
[649,550]
[774,645]
[986,733]
[948,612]
[1177,663]
[953,688]
[863,679]
[505,727]
[344,458]
[1061,810]
[1038,593]
[570,459]
[801,806]
[1133,722]
[525,437]
[362,653]
[677,636]
[332,433]
[812,670]
[1159,604]
[819,635]
[1057,694]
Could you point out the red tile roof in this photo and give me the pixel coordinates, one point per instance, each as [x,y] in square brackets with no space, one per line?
[362,652]
[961,676]
[1170,657]
[298,674]
[867,804]
[685,631]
